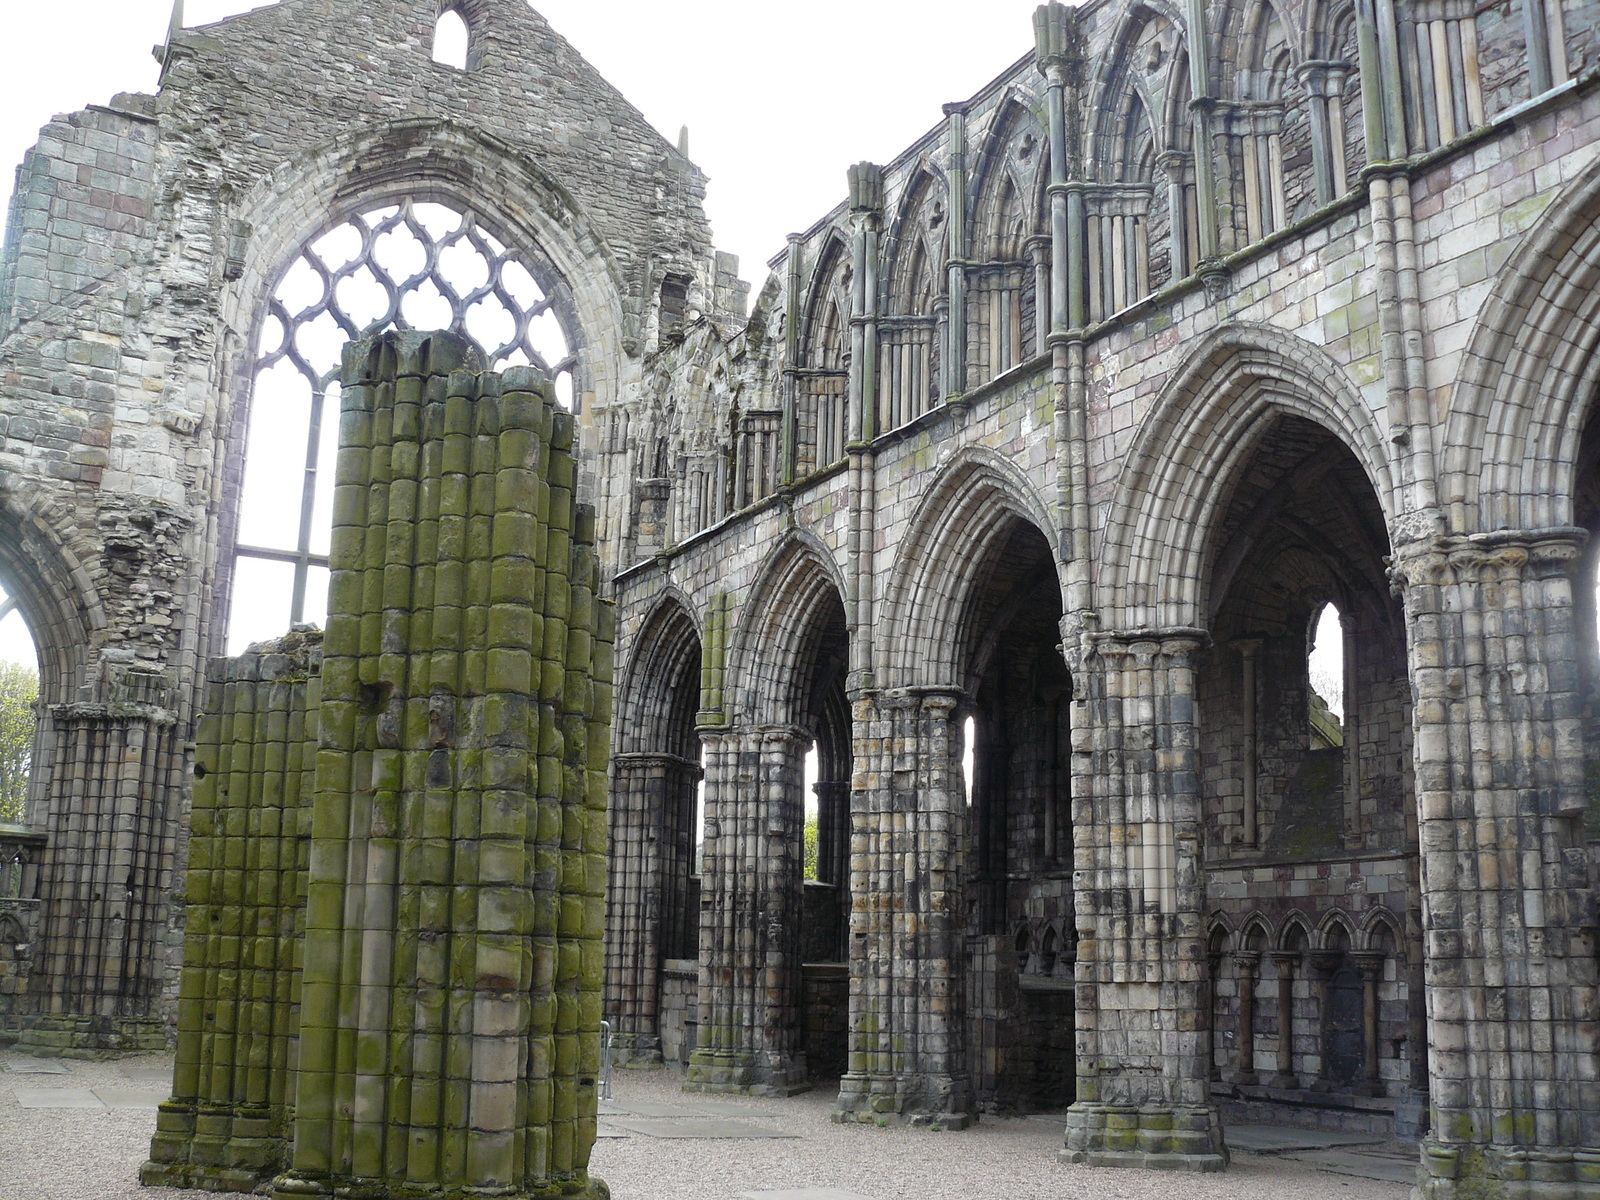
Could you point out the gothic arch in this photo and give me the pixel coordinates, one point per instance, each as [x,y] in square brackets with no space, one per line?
[961,519]
[824,340]
[372,166]
[664,651]
[1337,924]
[1294,934]
[774,650]
[1528,376]
[43,559]
[1374,926]
[1204,426]
[913,279]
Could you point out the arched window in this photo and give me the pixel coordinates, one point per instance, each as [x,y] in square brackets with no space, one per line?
[1325,670]
[452,40]
[19,697]
[420,266]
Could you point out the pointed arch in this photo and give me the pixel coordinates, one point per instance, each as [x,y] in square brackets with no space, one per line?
[913,253]
[1204,425]
[1529,375]
[789,632]
[1255,932]
[660,693]
[825,351]
[1375,926]
[965,517]
[1295,933]
[1333,927]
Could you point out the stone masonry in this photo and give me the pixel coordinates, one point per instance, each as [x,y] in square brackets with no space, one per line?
[1008,515]
[392,967]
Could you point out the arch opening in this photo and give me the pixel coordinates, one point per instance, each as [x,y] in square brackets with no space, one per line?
[657,824]
[1305,739]
[1017,762]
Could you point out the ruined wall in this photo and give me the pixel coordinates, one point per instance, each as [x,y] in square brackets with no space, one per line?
[438,895]
[142,243]
[1439,198]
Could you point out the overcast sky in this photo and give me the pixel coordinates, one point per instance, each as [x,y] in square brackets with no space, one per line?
[779,98]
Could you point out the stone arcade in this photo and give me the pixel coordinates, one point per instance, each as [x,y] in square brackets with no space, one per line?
[1054,443]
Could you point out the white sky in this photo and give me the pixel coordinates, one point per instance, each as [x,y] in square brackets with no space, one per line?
[771,93]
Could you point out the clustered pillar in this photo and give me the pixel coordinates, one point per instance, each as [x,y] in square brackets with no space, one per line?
[751,908]
[447,1040]
[111,764]
[907,1043]
[1144,1082]
[1508,912]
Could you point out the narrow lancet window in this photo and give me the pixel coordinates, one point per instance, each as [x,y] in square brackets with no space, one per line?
[1325,664]
[451,41]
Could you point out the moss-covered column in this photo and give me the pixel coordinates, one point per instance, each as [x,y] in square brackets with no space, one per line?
[451,997]
[226,1126]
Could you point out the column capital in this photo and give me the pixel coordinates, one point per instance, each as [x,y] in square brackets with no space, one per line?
[1485,557]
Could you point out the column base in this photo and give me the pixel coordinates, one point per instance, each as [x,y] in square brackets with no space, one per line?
[741,1074]
[294,1184]
[63,1036]
[215,1148]
[928,1101]
[1160,1139]
[636,1050]
[1455,1172]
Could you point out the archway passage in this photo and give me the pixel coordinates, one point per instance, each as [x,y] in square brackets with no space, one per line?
[1020,927]
[825,915]
[653,899]
[1309,801]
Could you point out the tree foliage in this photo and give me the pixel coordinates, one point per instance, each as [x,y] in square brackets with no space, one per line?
[19,693]
[811,847]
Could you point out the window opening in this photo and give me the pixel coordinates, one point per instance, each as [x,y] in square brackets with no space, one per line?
[451,40]
[413,265]
[1325,669]
[700,818]
[813,812]
[19,698]
[969,741]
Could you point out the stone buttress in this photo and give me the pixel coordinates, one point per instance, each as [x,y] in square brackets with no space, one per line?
[446,1039]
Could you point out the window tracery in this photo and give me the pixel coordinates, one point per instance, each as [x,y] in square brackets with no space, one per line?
[411,265]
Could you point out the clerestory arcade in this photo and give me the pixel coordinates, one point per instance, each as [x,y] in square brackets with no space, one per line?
[1144,529]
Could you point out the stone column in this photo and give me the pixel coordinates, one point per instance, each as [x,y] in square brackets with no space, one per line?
[1371,968]
[226,1126]
[1246,962]
[1508,907]
[450,1001]
[112,766]
[751,905]
[1144,1092]
[908,1052]
[955,349]
[647,908]
[1283,1073]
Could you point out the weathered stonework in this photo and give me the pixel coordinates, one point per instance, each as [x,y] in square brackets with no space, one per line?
[393,964]
[1063,428]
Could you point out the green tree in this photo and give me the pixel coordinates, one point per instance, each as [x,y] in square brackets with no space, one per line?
[19,693]
[811,847]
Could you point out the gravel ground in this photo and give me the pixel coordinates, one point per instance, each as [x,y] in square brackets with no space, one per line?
[997,1159]
[94,1154]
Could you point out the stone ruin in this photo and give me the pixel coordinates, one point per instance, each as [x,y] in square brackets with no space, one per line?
[1004,519]
[396,886]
